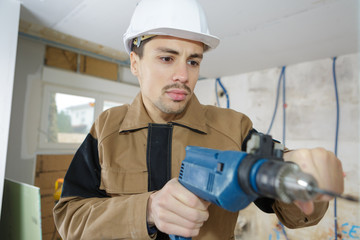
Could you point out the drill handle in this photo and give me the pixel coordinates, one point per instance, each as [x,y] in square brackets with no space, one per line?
[173,237]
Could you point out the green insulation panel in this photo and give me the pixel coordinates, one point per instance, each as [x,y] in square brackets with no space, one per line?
[20,212]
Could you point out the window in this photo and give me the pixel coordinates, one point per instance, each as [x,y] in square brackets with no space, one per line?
[67,116]
[71,103]
[70,118]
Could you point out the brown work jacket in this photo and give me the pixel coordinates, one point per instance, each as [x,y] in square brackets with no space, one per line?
[106,188]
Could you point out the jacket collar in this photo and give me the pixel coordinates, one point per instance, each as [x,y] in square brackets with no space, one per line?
[137,117]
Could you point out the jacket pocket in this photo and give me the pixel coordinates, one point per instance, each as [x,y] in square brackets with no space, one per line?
[114,181]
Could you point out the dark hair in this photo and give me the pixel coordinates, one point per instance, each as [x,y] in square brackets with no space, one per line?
[139,50]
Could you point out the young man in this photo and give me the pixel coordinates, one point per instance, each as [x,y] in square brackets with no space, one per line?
[122,182]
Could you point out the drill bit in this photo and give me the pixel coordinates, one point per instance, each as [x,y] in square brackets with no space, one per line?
[333,194]
[304,187]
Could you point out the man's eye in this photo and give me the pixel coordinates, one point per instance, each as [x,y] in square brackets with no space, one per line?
[193,63]
[166,59]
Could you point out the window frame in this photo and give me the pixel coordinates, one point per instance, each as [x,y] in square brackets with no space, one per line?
[66,82]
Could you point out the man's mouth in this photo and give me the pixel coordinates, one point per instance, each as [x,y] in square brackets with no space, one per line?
[177,94]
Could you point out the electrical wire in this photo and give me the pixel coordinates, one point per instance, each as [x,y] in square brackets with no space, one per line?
[284,127]
[216,93]
[336,137]
[283,230]
[277,99]
[218,81]
[281,79]
[284,107]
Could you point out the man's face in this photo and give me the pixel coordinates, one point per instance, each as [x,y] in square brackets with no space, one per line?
[167,73]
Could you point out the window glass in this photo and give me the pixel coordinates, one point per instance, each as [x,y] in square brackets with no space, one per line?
[110,104]
[70,118]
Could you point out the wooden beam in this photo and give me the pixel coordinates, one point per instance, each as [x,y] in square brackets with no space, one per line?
[53,37]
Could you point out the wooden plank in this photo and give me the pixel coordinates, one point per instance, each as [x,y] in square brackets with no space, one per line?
[98,68]
[48,225]
[48,169]
[46,192]
[61,58]
[48,163]
[48,179]
[61,38]
[47,205]
[51,236]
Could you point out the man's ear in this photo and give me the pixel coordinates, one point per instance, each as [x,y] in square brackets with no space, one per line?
[134,63]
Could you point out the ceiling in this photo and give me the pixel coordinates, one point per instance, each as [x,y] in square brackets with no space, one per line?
[255,34]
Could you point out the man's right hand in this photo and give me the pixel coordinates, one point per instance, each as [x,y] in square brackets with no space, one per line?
[177,211]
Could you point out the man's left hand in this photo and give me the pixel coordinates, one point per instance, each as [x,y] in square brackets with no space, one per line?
[324,166]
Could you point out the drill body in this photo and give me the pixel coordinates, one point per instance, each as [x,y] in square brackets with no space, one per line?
[212,175]
[234,179]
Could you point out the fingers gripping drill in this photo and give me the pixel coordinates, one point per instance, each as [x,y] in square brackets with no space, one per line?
[234,179]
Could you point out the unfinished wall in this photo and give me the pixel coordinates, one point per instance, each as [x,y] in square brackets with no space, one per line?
[310,122]
[310,116]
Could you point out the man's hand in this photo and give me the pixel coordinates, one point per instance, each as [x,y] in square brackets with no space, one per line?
[175,210]
[324,166]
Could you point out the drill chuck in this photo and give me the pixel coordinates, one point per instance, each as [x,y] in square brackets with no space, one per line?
[284,181]
[263,173]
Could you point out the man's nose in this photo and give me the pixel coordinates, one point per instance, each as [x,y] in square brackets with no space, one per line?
[181,72]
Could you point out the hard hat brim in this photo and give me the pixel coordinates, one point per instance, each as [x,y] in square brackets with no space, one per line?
[209,40]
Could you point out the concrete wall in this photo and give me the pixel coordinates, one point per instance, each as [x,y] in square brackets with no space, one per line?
[310,122]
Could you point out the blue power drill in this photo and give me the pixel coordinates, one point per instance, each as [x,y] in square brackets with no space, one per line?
[234,179]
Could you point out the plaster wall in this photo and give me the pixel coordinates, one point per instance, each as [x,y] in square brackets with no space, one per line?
[29,62]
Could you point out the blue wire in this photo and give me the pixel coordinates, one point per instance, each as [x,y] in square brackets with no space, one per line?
[336,138]
[284,127]
[225,92]
[216,93]
[277,99]
[283,231]
[284,107]
[337,107]
[282,77]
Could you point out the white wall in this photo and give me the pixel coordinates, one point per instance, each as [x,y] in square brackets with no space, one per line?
[310,116]
[9,24]
[29,61]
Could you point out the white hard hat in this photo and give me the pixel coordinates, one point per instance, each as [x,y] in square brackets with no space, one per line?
[178,18]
